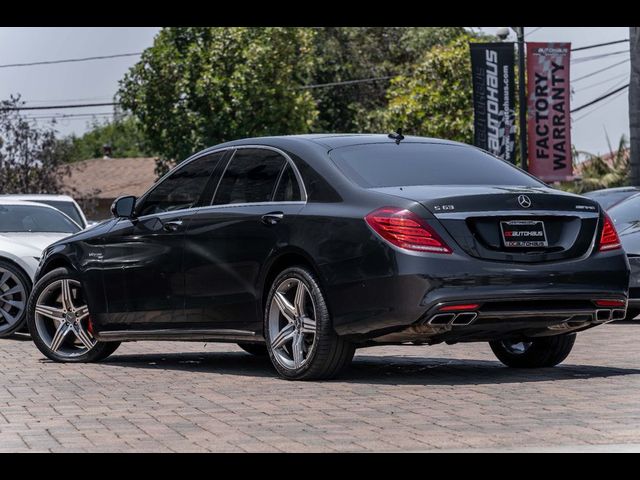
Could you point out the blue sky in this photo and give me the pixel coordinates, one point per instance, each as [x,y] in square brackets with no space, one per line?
[97,81]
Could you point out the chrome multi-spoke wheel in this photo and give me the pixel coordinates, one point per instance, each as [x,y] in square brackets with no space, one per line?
[62,319]
[300,338]
[292,323]
[13,299]
[60,322]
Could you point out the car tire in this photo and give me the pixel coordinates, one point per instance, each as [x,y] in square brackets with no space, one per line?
[537,353]
[70,347]
[13,306]
[327,354]
[632,313]
[256,349]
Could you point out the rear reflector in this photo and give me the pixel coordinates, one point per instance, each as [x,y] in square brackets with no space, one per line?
[405,229]
[459,308]
[610,303]
[609,239]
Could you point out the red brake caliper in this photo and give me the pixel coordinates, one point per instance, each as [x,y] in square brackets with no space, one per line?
[89,325]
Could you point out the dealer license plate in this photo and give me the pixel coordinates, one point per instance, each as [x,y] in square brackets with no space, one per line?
[523,234]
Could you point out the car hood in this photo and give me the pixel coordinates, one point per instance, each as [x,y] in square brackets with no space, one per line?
[28,243]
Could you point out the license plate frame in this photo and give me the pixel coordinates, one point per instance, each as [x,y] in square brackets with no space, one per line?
[528,234]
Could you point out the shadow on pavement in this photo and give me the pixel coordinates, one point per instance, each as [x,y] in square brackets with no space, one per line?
[383,370]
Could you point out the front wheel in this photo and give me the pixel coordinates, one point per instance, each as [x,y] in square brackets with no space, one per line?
[301,341]
[59,321]
[534,353]
[14,291]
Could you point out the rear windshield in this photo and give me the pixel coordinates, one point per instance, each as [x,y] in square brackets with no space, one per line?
[31,218]
[391,165]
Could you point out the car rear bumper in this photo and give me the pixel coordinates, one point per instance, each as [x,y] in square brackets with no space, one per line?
[511,297]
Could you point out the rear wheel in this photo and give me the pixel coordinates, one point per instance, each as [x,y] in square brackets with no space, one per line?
[14,292]
[257,349]
[59,320]
[535,353]
[300,338]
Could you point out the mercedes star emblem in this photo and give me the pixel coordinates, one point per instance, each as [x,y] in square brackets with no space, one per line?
[524,201]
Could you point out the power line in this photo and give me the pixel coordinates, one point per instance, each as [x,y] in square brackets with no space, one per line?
[614,97]
[602,82]
[599,99]
[599,45]
[600,71]
[596,57]
[70,60]
[532,31]
[59,107]
[346,82]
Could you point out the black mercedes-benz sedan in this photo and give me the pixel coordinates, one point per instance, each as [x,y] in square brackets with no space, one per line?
[304,248]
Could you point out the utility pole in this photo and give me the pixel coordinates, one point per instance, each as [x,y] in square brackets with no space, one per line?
[522,98]
[634,107]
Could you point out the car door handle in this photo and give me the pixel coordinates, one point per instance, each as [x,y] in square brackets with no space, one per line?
[272,218]
[172,225]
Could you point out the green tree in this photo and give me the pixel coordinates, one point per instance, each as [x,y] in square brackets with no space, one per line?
[199,86]
[31,160]
[597,173]
[435,99]
[124,135]
[352,53]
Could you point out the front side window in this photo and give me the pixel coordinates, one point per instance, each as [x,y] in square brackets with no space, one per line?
[32,218]
[250,177]
[182,189]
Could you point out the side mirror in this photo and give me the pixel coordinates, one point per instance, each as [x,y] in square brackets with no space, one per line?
[123,207]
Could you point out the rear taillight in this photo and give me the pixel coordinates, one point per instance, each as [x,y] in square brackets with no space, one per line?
[610,303]
[405,229]
[609,239]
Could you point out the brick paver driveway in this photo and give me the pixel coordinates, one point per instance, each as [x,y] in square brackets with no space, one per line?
[213,397]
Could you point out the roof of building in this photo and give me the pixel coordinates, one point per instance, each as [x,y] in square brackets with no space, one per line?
[111,177]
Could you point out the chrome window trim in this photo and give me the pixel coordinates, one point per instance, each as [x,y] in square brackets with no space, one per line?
[302,187]
[217,207]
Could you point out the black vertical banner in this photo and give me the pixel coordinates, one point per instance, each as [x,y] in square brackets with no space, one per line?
[494,119]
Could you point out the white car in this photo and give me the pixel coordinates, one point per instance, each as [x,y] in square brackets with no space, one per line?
[26,229]
[64,203]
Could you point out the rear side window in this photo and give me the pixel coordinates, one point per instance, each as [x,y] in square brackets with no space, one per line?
[250,177]
[288,189]
[407,164]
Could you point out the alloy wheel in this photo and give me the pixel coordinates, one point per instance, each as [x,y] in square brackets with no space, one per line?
[292,324]
[13,297]
[62,319]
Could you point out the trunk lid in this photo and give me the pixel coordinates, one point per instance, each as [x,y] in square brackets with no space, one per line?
[545,224]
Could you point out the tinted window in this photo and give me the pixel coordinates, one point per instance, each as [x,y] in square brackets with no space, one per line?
[28,218]
[390,165]
[627,211]
[250,177]
[288,189]
[183,188]
[67,208]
